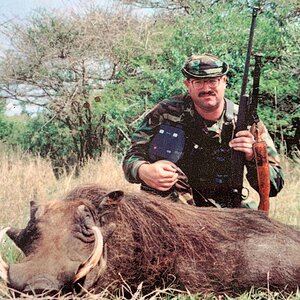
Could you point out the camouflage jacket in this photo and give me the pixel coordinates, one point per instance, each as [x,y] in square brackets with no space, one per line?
[200,167]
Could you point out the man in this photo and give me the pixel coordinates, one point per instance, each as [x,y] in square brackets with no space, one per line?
[186,141]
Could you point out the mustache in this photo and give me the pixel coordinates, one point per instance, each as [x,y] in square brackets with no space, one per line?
[210,93]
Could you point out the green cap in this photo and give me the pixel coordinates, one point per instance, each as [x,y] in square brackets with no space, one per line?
[204,66]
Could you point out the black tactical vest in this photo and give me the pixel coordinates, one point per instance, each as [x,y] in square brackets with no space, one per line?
[207,159]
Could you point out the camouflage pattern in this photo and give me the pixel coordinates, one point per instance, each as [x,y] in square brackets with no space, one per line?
[184,192]
[178,110]
[181,192]
[204,66]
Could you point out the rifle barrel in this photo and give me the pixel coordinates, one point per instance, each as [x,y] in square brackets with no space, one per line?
[248,56]
[238,158]
[253,117]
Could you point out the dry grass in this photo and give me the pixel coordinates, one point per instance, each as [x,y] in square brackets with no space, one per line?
[285,207]
[23,178]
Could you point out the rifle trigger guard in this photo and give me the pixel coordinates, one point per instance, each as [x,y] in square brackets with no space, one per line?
[243,194]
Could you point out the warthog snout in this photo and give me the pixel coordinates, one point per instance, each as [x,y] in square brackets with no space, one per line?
[20,280]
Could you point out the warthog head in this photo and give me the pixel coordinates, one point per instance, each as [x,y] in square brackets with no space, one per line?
[64,245]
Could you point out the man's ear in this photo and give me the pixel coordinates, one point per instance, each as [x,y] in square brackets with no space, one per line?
[187,83]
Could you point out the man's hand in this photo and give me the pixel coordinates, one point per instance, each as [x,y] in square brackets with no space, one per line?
[160,175]
[243,142]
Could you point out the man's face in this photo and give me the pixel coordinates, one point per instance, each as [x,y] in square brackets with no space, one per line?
[207,94]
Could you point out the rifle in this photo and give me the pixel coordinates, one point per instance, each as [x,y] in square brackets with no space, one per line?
[247,111]
[260,146]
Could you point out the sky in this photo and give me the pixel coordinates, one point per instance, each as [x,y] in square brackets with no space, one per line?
[21,8]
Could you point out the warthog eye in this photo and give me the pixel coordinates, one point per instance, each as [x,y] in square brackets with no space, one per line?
[86,214]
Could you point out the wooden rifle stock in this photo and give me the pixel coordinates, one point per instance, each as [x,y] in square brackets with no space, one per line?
[263,176]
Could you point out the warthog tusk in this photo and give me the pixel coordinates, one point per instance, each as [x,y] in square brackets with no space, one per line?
[3,264]
[94,258]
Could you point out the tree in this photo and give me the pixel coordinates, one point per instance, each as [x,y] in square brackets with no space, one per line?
[96,73]
[56,61]
[222,28]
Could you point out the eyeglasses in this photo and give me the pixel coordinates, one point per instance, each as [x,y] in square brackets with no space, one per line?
[199,84]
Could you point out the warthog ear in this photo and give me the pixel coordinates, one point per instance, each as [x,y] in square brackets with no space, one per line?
[23,238]
[108,205]
[20,239]
[14,234]
[17,236]
[33,208]
[115,195]
[111,199]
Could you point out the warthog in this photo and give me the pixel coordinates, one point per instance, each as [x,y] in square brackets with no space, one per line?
[97,240]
